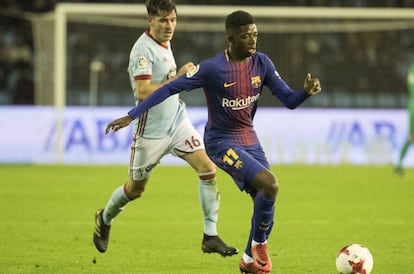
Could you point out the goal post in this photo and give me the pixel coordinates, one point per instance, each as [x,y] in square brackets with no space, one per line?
[204,19]
[390,18]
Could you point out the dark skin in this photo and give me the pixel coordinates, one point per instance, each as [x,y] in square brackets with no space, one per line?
[242,45]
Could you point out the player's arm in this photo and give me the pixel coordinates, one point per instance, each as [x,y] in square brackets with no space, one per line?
[153,99]
[291,98]
[190,80]
[185,82]
[144,87]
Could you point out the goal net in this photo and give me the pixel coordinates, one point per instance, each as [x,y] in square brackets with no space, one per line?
[360,55]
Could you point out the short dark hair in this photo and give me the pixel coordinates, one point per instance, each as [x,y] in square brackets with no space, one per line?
[160,7]
[237,19]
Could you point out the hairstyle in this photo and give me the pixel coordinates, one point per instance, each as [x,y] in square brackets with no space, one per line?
[237,19]
[160,7]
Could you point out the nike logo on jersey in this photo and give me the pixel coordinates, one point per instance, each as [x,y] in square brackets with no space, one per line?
[227,85]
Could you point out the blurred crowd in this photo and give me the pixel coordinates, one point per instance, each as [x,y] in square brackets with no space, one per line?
[17,50]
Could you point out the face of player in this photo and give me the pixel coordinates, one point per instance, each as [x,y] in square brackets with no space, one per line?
[243,42]
[162,27]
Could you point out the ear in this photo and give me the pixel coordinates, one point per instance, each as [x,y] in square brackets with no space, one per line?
[230,37]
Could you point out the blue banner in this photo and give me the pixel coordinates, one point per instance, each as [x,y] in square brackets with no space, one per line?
[305,136]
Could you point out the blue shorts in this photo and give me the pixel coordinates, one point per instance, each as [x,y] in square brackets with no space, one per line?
[241,162]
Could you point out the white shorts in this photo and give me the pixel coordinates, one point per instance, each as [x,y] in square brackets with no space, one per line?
[146,153]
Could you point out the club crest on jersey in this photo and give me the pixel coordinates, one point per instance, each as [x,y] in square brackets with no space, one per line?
[255,81]
[192,71]
[142,63]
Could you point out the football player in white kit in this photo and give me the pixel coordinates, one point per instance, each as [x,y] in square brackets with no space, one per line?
[165,129]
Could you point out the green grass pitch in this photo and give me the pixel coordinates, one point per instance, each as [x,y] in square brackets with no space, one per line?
[47,220]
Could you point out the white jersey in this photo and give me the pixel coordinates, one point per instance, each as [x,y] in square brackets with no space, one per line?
[150,60]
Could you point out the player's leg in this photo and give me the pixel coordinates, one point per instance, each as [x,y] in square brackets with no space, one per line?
[262,220]
[145,154]
[188,145]
[209,197]
[264,207]
[122,195]
[249,169]
[253,194]
[116,203]
[399,166]
[399,170]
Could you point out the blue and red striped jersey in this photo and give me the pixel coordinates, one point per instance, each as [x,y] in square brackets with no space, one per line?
[232,91]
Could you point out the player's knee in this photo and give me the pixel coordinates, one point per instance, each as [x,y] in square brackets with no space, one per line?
[200,162]
[135,194]
[268,186]
[135,189]
[206,167]
[271,187]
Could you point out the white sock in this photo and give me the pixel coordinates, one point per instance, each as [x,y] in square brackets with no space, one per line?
[115,205]
[254,243]
[209,201]
[247,258]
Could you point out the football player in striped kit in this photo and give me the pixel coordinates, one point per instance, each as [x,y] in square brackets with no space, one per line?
[233,81]
[164,129]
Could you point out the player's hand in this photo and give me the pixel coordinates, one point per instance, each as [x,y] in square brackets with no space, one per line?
[312,85]
[117,124]
[184,69]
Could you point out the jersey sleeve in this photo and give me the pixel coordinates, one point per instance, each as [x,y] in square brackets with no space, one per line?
[155,98]
[191,80]
[290,98]
[141,60]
